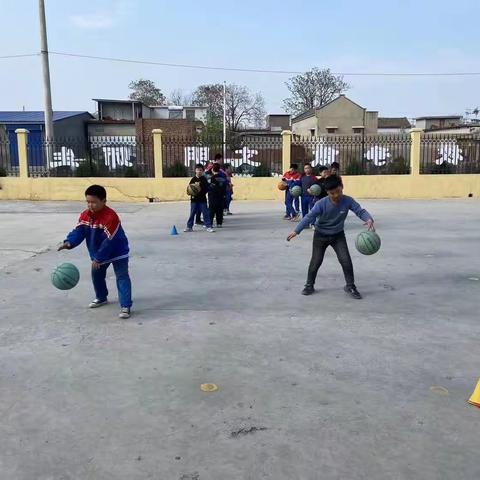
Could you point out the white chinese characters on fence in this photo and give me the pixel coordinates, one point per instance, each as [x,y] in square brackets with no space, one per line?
[449,152]
[202,155]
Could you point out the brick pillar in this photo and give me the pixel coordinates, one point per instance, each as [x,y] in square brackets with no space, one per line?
[286,149]
[22,138]
[157,152]
[416,135]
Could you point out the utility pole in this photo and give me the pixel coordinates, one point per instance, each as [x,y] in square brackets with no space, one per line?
[46,77]
[224,119]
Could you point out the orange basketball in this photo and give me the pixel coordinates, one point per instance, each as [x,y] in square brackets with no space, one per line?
[282,186]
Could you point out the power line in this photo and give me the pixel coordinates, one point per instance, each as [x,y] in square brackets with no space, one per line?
[19,56]
[258,70]
[252,70]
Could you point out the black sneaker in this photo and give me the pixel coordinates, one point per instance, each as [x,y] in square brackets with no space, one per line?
[199,223]
[353,292]
[308,290]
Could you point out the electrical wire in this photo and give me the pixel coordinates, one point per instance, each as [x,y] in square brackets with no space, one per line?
[250,70]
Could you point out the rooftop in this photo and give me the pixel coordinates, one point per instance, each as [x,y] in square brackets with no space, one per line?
[36,116]
[433,117]
[394,122]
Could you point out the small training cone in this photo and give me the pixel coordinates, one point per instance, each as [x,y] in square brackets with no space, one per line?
[174,231]
[475,398]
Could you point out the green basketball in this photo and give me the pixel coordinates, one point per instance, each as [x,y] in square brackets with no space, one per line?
[368,243]
[296,191]
[65,276]
[315,190]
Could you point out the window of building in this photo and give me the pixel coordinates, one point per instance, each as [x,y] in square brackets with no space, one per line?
[358,129]
[175,114]
[331,129]
[190,113]
[312,132]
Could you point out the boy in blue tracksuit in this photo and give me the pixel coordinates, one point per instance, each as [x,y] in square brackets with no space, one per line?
[107,244]
[307,180]
[292,204]
[329,215]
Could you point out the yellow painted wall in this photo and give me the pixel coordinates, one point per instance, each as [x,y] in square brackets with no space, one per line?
[173,189]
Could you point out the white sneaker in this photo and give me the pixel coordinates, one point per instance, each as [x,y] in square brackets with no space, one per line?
[97,303]
[124,313]
[210,230]
[188,230]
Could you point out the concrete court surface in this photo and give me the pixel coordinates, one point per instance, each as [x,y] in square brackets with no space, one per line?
[323,387]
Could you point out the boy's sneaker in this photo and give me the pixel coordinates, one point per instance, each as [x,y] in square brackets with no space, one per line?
[286,217]
[229,212]
[210,230]
[219,226]
[353,292]
[312,227]
[308,290]
[97,303]
[188,230]
[124,313]
[199,223]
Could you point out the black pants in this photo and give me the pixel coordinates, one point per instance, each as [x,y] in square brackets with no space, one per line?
[339,243]
[216,210]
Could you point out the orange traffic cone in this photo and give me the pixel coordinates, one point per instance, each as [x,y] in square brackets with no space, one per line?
[475,398]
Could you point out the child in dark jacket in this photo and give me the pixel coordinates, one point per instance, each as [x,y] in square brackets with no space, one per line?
[308,179]
[216,195]
[199,201]
[107,244]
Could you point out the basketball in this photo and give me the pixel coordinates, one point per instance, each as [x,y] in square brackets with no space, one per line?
[315,190]
[193,189]
[65,276]
[368,243]
[282,186]
[296,191]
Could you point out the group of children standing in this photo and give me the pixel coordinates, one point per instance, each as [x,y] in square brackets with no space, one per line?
[214,196]
[307,199]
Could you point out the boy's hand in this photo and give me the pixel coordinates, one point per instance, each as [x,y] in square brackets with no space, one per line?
[95,265]
[369,224]
[64,246]
[292,235]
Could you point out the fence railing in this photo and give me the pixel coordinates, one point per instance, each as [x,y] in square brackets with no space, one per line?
[356,154]
[449,154]
[256,156]
[8,158]
[91,157]
[250,155]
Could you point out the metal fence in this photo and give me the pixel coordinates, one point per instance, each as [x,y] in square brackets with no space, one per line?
[356,154]
[449,153]
[100,156]
[8,158]
[252,156]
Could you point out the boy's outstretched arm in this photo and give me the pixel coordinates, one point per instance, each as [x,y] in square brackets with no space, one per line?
[306,220]
[362,214]
[75,237]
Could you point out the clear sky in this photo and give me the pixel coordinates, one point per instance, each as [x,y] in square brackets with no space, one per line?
[345,35]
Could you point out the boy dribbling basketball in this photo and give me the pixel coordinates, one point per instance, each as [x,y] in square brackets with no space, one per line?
[330,214]
[107,244]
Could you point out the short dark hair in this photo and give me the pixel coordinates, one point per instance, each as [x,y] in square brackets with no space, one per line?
[216,167]
[335,165]
[218,156]
[227,165]
[294,166]
[322,168]
[332,182]
[307,164]
[96,191]
[199,165]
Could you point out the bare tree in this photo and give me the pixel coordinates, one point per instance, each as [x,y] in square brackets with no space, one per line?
[179,97]
[145,91]
[243,108]
[313,89]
